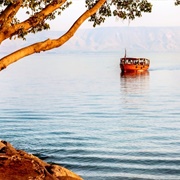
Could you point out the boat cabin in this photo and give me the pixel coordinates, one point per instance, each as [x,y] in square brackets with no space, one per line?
[140,61]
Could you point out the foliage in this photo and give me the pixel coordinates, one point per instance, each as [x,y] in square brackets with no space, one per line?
[124,9]
[177,2]
[32,9]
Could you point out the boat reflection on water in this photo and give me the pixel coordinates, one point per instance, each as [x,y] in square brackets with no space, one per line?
[134,86]
[134,74]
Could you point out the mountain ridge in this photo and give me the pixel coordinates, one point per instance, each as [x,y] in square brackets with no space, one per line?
[108,39]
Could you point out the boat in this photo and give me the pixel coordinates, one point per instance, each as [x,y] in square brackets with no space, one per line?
[128,64]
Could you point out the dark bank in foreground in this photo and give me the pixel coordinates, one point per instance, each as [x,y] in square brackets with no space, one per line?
[19,165]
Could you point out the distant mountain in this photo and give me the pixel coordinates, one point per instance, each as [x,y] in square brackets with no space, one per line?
[139,39]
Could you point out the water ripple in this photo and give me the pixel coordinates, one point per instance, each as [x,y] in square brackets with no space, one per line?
[95,121]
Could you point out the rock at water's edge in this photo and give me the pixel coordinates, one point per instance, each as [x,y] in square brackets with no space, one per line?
[19,165]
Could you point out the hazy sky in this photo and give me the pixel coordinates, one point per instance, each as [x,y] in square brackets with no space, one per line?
[164,13]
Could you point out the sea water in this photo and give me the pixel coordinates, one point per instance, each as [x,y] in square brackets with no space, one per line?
[79,111]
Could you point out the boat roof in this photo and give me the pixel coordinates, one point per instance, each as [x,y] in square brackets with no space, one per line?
[134,58]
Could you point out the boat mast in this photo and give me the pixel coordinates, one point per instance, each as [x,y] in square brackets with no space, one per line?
[125,53]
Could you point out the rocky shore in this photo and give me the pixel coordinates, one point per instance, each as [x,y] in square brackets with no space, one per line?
[19,165]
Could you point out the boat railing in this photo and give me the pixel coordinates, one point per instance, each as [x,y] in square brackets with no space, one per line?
[135,61]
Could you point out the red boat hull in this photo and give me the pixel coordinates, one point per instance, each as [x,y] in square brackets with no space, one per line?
[132,67]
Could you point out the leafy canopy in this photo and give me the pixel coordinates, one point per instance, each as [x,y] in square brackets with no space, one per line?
[32,9]
[123,9]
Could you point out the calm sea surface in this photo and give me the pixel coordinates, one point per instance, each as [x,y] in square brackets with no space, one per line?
[79,111]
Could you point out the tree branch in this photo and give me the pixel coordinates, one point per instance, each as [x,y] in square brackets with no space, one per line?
[49,44]
[32,21]
[7,15]
[10,11]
